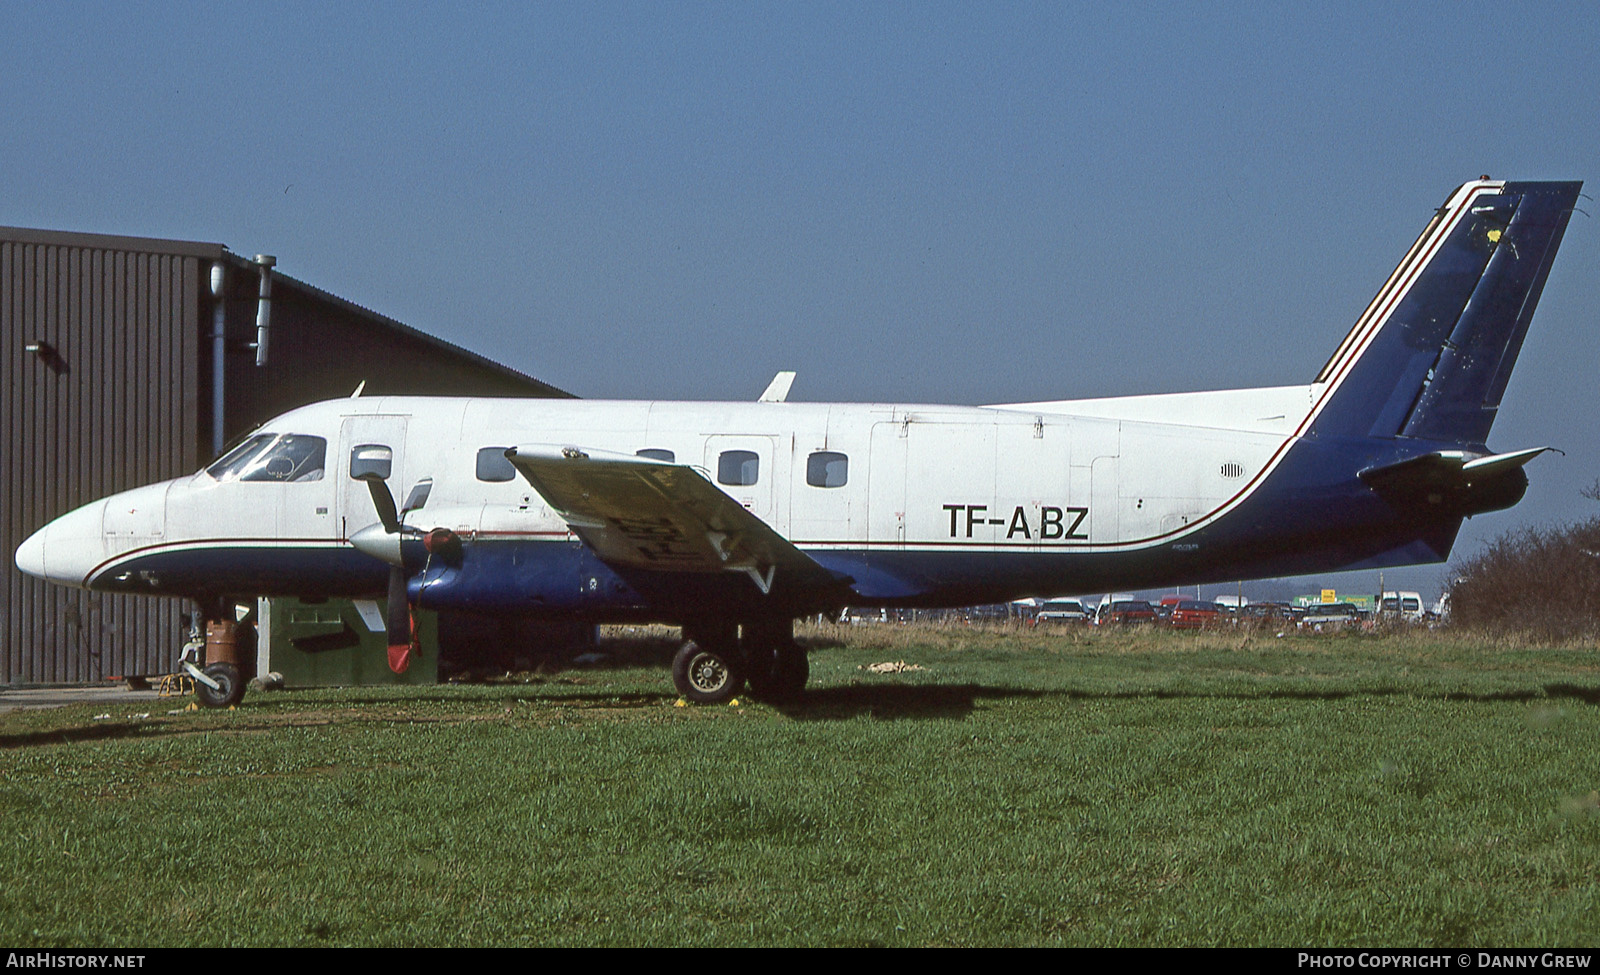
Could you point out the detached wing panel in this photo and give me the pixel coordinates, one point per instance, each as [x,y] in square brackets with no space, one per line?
[649,514]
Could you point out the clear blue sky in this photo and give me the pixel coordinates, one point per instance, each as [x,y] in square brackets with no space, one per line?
[917,202]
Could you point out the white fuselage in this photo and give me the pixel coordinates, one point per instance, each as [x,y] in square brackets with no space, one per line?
[1070,478]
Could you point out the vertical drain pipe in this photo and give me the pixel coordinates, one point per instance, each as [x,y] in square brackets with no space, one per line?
[264,306]
[219,359]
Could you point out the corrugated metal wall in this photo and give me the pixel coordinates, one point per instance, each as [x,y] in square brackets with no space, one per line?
[125,400]
[112,406]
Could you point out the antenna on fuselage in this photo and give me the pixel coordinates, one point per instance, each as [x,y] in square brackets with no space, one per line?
[359,387]
[778,389]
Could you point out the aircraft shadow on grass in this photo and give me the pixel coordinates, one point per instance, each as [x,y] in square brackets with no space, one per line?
[885,702]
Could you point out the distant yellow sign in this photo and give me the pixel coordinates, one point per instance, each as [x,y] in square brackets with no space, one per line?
[1329,596]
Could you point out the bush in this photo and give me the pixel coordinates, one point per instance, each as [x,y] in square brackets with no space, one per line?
[1540,582]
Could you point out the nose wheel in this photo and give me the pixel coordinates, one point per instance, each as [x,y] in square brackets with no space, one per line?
[226,687]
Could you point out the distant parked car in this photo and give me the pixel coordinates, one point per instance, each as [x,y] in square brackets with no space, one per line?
[1062,611]
[1102,610]
[1166,605]
[1402,605]
[988,613]
[1267,613]
[1127,611]
[1326,615]
[864,614]
[1192,614]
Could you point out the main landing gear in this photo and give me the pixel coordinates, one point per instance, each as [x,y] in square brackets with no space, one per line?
[716,662]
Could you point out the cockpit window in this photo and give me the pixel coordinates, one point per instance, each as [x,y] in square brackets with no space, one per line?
[273,457]
[228,466]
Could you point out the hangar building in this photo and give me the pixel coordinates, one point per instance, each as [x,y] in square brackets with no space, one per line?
[110,379]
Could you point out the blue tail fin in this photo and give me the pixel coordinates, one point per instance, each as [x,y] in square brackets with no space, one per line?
[1430,357]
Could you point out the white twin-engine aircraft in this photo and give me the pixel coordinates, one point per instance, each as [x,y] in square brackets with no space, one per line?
[733,519]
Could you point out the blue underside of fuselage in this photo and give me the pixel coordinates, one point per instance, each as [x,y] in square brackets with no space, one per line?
[1311,515]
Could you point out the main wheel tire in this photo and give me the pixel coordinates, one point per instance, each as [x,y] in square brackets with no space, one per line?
[708,674]
[778,671]
[229,690]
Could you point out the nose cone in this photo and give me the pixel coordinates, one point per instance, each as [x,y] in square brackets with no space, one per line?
[68,549]
[30,554]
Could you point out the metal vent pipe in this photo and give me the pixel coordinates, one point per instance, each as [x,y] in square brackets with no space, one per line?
[264,306]
[219,359]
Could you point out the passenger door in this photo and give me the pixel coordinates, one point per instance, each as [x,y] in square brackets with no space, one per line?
[364,433]
[746,468]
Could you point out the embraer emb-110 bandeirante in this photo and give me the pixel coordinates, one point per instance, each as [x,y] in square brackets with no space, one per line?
[734,519]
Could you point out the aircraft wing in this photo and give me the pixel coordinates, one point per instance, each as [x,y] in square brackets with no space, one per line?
[651,514]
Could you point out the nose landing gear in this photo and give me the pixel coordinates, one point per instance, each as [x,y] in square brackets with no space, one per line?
[221,684]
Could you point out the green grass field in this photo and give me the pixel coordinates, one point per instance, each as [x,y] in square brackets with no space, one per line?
[1022,788]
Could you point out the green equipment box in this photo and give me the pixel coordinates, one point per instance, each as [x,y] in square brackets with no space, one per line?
[339,643]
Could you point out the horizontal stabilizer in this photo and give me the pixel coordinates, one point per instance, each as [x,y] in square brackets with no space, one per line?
[1497,463]
[1456,480]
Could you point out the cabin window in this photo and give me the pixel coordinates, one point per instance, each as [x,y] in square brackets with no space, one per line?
[657,453]
[493,464]
[738,468]
[273,457]
[369,460]
[827,469]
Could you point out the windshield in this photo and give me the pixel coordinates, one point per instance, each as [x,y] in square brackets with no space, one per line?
[273,457]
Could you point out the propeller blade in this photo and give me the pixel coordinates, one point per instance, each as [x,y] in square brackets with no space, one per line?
[398,622]
[383,501]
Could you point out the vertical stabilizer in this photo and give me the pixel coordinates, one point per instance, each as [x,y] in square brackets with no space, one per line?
[1430,357]
[1460,399]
